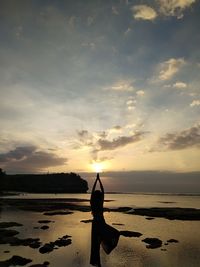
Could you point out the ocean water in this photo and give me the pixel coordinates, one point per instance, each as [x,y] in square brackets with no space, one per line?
[131,251]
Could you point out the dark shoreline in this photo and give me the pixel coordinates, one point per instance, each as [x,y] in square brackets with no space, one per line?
[66,205]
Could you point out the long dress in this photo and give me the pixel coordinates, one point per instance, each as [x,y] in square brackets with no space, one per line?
[102,234]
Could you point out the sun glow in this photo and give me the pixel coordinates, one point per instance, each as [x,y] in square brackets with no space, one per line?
[97,166]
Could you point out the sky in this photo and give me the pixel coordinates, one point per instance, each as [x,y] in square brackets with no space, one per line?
[111,84]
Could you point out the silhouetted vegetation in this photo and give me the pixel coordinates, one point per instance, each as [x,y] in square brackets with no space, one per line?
[43,183]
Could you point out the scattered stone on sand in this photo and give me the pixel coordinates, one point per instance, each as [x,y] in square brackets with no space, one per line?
[59,206]
[163,249]
[15,260]
[152,242]
[48,247]
[47,205]
[124,209]
[45,221]
[5,233]
[9,224]
[60,242]
[7,236]
[66,236]
[87,221]
[117,223]
[31,242]
[6,251]
[167,202]
[44,264]
[172,241]
[52,213]
[189,214]
[149,218]
[130,234]
[44,227]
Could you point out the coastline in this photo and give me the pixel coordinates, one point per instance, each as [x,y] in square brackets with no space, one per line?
[51,231]
[59,205]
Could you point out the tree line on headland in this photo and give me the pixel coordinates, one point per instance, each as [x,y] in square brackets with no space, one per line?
[43,183]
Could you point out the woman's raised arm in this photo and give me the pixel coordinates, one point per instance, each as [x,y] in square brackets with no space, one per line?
[101,185]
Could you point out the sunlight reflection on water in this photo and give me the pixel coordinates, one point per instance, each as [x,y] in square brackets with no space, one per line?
[130,252]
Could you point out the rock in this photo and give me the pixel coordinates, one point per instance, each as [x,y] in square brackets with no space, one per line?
[15,260]
[44,227]
[189,214]
[60,242]
[152,242]
[63,242]
[31,242]
[149,218]
[9,224]
[44,264]
[166,202]
[8,237]
[172,240]
[124,209]
[35,244]
[48,247]
[117,224]
[5,233]
[45,221]
[66,236]
[130,234]
[52,213]
[87,221]
[47,204]
[6,251]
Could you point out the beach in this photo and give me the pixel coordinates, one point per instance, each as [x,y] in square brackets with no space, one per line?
[55,230]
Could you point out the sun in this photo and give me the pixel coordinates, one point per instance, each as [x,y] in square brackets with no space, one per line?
[97,166]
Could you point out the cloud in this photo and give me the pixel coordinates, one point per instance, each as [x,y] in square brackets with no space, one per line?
[85,139]
[170,67]
[181,140]
[164,8]
[90,20]
[123,86]
[143,12]
[179,85]
[140,92]
[174,7]
[130,126]
[115,10]
[127,31]
[115,129]
[83,134]
[19,153]
[195,103]
[131,102]
[106,141]
[120,141]
[30,159]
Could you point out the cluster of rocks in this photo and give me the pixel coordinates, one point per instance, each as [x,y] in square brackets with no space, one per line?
[18,260]
[60,242]
[8,236]
[15,260]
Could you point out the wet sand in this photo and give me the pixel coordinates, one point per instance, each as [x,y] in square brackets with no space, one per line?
[54,209]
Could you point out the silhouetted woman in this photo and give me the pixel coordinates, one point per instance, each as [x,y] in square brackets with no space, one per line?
[102,233]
